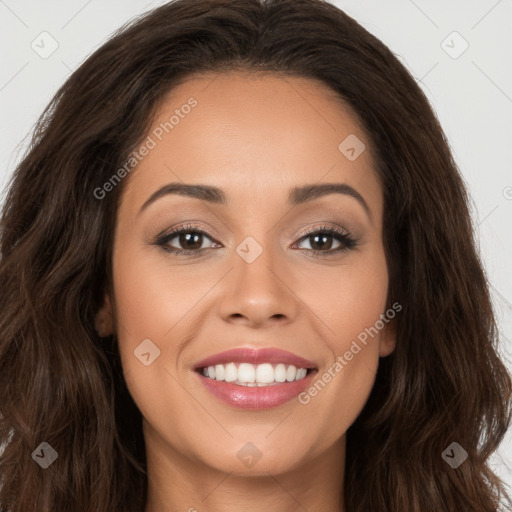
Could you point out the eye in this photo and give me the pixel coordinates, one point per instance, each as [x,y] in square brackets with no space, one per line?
[189,239]
[320,240]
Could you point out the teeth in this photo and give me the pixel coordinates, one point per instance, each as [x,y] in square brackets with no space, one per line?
[264,373]
[219,372]
[230,373]
[254,375]
[280,373]
[301,373]
[247,373]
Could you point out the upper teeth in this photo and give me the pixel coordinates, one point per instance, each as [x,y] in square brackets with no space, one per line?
[254,375]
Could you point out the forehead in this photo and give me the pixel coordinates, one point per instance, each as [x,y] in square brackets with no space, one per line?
[253,135]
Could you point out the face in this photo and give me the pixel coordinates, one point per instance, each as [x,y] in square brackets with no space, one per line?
[272,283]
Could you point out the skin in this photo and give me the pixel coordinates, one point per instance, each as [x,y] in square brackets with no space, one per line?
[255,137]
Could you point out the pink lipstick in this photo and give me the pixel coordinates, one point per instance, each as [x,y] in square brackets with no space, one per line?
[251,378]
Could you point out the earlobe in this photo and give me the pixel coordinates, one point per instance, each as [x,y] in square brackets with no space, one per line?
[103,321]
[387,341]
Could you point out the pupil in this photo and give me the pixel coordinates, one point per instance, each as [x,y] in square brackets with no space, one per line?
[323,237]
[185,239]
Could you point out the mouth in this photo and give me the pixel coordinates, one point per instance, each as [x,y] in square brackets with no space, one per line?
[252,378]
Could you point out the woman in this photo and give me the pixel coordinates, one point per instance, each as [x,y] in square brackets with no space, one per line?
[179,331]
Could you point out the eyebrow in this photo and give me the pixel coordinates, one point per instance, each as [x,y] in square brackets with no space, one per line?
[297,195]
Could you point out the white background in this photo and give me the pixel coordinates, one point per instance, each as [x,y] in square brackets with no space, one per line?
[471,95]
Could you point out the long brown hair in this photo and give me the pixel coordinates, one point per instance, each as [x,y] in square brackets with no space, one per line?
[62,384]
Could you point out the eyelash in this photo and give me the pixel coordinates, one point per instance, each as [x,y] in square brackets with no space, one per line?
[348,242]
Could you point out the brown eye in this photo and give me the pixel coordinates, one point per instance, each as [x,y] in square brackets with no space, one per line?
[187,240]
[190,240]
[321,241]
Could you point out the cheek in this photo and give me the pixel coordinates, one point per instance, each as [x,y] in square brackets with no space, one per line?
[347,298]
[349,302]
[142,316]
[156,302]
[153,298]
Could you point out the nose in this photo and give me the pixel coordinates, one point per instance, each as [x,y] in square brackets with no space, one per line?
[259,292]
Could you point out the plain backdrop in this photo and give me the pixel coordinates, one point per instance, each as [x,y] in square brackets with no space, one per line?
[459,51]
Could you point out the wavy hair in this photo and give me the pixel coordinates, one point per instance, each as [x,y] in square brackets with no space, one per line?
[63,384]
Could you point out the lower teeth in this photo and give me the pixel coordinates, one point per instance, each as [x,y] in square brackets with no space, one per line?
[255,384]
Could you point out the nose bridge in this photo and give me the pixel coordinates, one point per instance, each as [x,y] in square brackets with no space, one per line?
[256,261]
[258,286]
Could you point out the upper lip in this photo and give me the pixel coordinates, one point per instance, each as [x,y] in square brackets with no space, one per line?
[254,355]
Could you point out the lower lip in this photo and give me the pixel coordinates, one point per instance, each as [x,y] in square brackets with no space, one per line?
[264,397]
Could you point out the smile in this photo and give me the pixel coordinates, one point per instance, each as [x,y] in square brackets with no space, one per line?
[250,378]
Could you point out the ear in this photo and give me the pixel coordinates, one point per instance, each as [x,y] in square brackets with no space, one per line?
[387,340]
[103,321]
